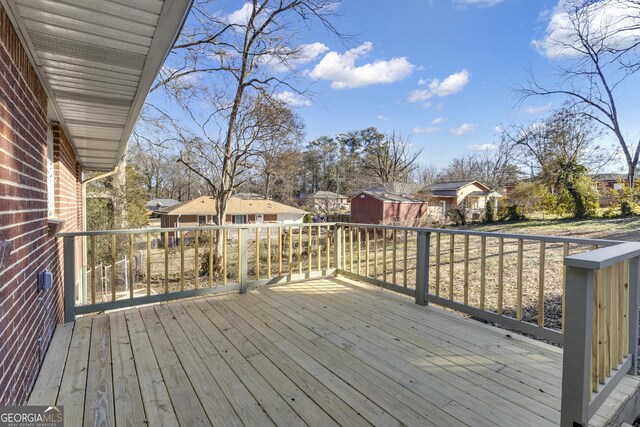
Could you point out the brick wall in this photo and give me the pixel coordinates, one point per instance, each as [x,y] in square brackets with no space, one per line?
[27,317]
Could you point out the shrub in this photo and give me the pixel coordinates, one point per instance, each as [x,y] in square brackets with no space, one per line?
[489,214]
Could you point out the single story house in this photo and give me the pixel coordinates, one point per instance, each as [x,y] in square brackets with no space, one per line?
[470,197]
[324,201]
[379,205]
[202,211]
[607,185]
[154,205]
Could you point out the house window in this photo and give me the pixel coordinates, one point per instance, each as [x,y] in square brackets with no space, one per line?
[617,186]
[443,207]
[51,193]
[239,219]
[202,219]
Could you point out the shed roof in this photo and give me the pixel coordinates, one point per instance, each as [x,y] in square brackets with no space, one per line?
[205,205]
[97,61]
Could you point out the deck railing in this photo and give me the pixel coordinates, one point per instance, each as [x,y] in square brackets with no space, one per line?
[171,263]
[601,338]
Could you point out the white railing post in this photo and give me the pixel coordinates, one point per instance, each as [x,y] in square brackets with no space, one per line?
[337,247]
[634,282]
[576,358]
[422,267]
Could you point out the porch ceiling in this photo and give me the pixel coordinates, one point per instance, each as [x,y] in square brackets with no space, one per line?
[97,61]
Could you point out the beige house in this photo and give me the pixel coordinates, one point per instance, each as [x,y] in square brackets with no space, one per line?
[470,197]
[202,211]
[325,202]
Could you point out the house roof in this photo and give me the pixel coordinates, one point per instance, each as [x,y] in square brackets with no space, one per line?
[450,189]
[323,195]
[161,202]
[205,205]
[97,61]
[247,196]
[381,193]
[615,177]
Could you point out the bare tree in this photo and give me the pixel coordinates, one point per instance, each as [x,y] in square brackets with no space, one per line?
[228,74]
[599,52]
[390,158]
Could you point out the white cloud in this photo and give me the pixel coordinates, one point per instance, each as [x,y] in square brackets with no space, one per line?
[383,118]
[538,109]
[341,70]
[482,147]
[617,23]
[429,129]
[481,3]
[422,82]
[240,16]
[498,129]
[303,54]
[452,84]
[438,120]
[464,129]
[293,99]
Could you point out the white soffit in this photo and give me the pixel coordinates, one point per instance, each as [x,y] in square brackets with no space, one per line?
[98,60]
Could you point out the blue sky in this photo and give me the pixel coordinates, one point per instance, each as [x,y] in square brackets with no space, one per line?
[441,72]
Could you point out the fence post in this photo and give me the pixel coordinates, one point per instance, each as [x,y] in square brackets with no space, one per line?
[69,254]
[337,247]
[634,282]
[576,357]
[422,267]
[242,241]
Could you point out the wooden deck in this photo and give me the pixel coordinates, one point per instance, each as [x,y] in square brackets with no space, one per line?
[323,353]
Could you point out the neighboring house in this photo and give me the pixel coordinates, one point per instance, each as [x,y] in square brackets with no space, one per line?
[607,185]
[156,205]
[202,211]
[71,88]
[379,205]
[248,196]
[324,202]
[470,197]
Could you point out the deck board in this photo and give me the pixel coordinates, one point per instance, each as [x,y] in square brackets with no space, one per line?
[326,352]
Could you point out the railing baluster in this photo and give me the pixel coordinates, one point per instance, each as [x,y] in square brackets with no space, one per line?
[466,270]
[211,256]
[290,251]
[148,264]
[541,285]
[196,258]
[93,269]
[437,264]
[384,254]
[500,274]
[405,262]
[375,253]
[309,258]
[359,248]
[257,253]
[393,257]
[319,247]
[350,249]
[132,278]
[299,249]
[602,336]
[519,282]
[607,316]
[565,253]
[327,246]
[224,256]
[280,249]
[366,248]
[166,262]
[483,270]
[595,359]
[113,267]
[452,244]
[269,252]
[343,266]
[181,260]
